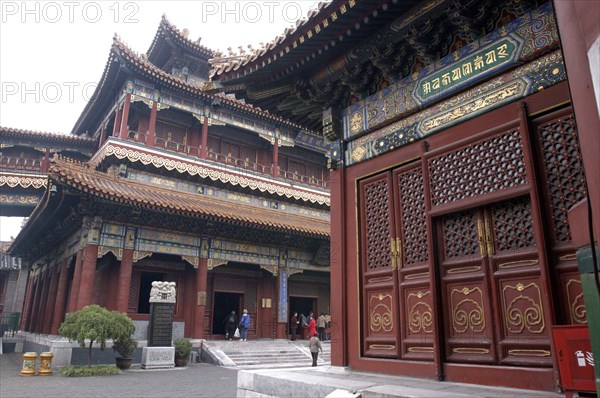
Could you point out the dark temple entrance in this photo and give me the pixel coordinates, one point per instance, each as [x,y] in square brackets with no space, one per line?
[223,304]
[303,305]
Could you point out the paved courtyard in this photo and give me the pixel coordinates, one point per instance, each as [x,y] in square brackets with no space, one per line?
[197,380]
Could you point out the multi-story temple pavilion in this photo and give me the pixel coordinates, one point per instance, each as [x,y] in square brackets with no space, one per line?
[227,200]
[461,173]
[462,139]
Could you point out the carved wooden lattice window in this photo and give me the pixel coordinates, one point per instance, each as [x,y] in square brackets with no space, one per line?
[377,209]
[460,234]
[413,216]
[513,224]
[561,155]
[134,291]
[479,168]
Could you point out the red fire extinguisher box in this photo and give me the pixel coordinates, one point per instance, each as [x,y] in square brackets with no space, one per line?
[575,358]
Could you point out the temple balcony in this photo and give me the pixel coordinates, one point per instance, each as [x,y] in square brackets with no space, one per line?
[14,163]
[227,159]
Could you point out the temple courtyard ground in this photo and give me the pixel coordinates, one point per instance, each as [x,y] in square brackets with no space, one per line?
[203,380]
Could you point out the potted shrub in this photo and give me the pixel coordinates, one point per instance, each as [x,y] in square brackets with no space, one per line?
[183,349]
[125,346]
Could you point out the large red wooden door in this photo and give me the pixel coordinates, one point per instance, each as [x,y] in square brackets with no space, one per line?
[397,301]
[492,293]
[378,267]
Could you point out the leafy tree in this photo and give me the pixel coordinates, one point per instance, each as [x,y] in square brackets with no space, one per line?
[96,324]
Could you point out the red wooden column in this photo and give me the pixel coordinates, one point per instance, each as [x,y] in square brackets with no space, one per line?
[31,322]
[49,311]
[102,135]
[204,138]
[339,328]
[41,307]
[25,311]
[117,124]
[45,165]
[26,321]
[123,132]
[58,313]
[88,266]
[88,274]
[124,285]
[72,307]
[152,127]
[200,307]
[276,156]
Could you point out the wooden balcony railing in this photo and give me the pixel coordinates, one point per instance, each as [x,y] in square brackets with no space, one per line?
[19,164]
[228,160]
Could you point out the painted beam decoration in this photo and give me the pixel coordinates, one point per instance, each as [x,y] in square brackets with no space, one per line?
[402,103]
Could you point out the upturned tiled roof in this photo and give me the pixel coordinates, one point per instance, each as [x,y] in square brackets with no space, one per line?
[55,137]
[232,61]
[166,30]
[81,177]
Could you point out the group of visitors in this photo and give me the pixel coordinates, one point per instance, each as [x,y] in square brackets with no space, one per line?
[300,323]
[236,329]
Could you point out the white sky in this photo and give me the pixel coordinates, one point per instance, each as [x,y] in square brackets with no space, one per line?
[52,53]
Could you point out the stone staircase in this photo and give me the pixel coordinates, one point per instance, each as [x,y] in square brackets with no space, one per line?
[265,353]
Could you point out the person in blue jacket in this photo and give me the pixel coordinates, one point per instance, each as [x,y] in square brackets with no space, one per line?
[244,325]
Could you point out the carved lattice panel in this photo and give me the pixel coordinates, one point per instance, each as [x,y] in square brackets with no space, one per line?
[376,218]
[413,224]
[564,174]
[525,330]
[250,297]
[512,223]
[494,164]
[460,234]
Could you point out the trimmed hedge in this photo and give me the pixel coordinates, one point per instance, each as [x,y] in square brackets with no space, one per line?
[83,371]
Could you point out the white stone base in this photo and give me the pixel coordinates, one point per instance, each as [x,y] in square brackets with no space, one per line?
[158,357]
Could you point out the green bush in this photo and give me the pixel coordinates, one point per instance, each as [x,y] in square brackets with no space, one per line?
[183,348]
[83,371]
[96,324]
[125,346]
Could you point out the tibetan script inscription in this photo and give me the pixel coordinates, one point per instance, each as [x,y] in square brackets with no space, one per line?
[482,62]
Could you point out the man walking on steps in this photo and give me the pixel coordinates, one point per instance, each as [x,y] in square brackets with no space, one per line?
[315,345]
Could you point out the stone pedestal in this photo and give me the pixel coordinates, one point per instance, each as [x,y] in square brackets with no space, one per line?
[158,357]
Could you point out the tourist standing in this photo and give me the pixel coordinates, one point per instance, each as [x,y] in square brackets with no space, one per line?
[312,326]
[294,326]
[244,325]
[315,345]
[321,322]
[230,325]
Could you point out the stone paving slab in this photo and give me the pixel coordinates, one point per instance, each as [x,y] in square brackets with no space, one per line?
[197,380]
[324,380]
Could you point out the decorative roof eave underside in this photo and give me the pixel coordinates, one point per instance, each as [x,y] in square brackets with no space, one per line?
[15,136]
[291,51]
[168,36]
[123,63]
[136,153]
[354,52]
[81,178]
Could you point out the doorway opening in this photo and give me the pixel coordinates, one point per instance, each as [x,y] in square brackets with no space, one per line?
[303,305]
[223,304]
[146,280]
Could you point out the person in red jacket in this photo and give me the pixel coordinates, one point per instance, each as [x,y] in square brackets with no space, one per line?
[312,326]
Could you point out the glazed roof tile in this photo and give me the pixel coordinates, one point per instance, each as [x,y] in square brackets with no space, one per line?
[81,177]
[57,137]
